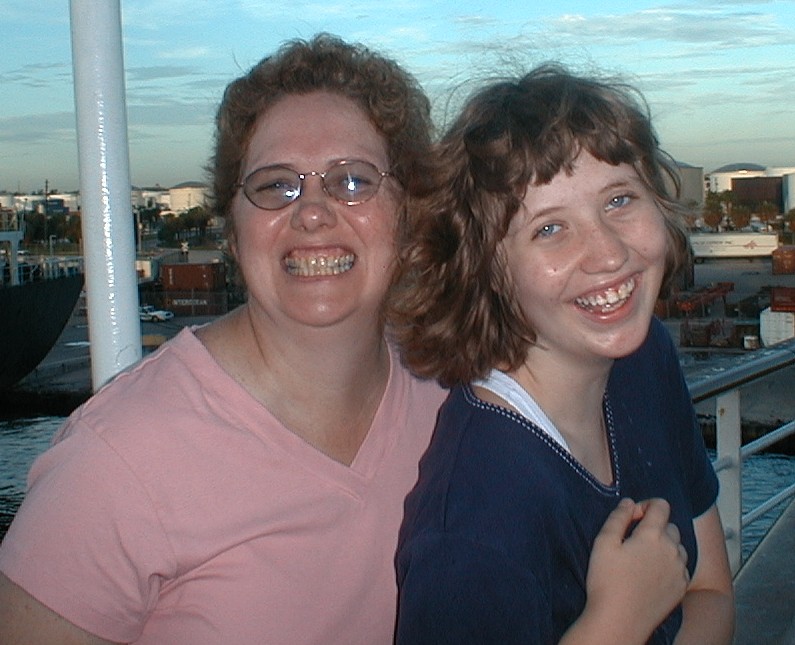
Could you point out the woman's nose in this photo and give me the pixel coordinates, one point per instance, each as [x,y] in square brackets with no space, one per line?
[312,209]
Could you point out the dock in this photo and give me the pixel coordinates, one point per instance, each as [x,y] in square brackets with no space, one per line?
[765,588]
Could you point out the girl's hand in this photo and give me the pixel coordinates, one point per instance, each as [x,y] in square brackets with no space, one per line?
[636,574]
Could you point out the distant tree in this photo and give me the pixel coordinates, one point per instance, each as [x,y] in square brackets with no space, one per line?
[740,217]
[691,214]
[74,231]
[767,212]
[712,213]
[170,230]
[727,199]
[196,220]
[34,227]
[149,216]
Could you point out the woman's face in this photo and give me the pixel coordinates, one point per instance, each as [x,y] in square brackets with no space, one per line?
[316,261]
[586,254]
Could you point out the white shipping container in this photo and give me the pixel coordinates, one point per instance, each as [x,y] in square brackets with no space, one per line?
[776,326]
[733,245]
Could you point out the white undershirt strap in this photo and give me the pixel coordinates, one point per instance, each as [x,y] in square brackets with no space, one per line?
[508,389]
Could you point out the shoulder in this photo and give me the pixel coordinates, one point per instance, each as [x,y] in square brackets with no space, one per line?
[176,380]
[657,357]
[417,399]
[480,451]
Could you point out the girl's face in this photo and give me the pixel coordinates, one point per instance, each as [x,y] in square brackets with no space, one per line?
[316,261]
[586,254]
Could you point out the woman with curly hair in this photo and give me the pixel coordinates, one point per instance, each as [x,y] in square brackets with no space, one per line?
[245,483]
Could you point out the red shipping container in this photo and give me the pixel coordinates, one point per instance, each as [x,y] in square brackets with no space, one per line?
[784,260]
[782,299]
[193,277]
[197,303]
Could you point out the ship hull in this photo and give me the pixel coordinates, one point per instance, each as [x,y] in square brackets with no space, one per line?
[32,317]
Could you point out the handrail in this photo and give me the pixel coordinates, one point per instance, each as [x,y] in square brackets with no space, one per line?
[725,387]
[748,368]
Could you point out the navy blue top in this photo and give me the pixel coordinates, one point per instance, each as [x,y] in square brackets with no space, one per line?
[497,533]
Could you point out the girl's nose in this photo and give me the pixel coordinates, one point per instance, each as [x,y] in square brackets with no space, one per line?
[605,249]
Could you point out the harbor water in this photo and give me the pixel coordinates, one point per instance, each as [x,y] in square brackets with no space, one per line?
[21,440]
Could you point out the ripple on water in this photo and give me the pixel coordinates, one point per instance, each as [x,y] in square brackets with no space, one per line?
[21,441]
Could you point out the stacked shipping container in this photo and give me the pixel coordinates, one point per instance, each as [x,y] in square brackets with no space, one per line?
[195,289]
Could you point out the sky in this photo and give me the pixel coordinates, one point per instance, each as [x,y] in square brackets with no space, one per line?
[719,75]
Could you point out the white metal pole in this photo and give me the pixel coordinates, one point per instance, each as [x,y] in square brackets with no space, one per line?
[105,190]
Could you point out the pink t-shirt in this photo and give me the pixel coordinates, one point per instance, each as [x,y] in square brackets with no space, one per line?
[173,508]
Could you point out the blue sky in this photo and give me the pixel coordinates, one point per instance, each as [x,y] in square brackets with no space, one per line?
[719,75]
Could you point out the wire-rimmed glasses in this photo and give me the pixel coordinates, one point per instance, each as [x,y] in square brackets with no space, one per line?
[351,182]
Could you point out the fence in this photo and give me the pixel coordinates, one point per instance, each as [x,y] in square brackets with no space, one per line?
[725,388]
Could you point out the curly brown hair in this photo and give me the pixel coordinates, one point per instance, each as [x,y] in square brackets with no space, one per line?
[391,97]
[455,315]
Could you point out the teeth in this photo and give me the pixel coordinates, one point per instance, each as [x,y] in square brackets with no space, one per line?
[610,300]
[319,265]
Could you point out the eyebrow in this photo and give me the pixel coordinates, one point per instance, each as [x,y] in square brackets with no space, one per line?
[631,181]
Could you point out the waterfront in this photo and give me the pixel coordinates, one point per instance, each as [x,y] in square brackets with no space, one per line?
[21,440]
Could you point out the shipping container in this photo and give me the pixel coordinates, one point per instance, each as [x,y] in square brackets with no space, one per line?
[782,299]
[784,260]
[776,326]
[199,277]
[197,303]
[732,245]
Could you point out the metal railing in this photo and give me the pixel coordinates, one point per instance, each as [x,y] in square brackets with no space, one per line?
[725,388]
[38,268]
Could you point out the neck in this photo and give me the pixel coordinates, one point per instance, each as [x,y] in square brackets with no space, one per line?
[336,357]
[571,395]
[324,384]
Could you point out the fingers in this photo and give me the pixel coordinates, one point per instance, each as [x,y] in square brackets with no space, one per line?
[683,558]
[656,511]
[618,522]
[673,533]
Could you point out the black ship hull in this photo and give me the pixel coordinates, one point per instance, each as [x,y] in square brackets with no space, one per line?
[32,317]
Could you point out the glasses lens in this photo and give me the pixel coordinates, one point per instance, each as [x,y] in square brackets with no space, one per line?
[273,187]
[352,183]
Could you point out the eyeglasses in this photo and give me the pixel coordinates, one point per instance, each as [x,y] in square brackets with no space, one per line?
[351,182]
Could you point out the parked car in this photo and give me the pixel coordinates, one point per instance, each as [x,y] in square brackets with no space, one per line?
[148,313]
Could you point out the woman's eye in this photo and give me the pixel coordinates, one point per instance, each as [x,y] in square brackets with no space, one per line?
[547,230]
[353,184]
[619,200]
[275,185]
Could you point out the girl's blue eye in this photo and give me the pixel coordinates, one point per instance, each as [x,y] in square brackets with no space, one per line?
[619,201]
[547,230]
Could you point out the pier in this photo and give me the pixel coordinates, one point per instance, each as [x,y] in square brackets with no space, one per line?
[765,588]
[765,582]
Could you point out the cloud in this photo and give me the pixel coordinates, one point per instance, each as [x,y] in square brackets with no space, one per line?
[160,72]
[37,75]
[705,28]
[157,14]
[170,114]
[185,53]
[38,129]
